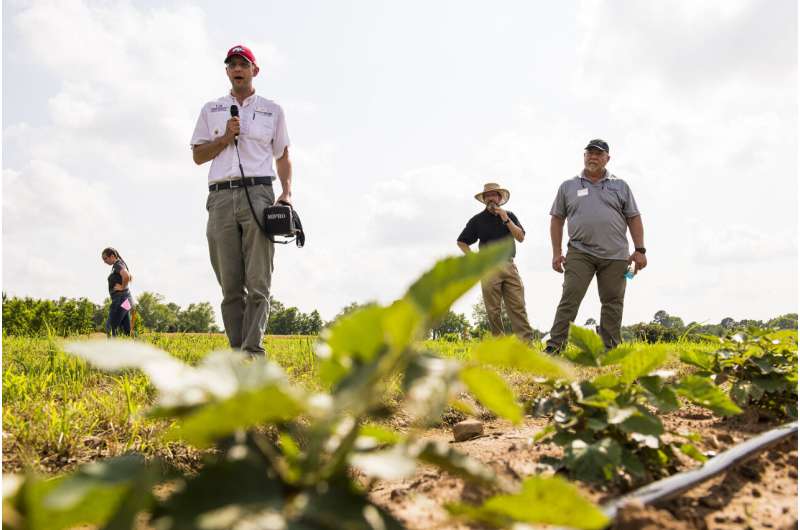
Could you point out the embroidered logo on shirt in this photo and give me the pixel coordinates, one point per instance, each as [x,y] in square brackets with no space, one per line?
[218,108]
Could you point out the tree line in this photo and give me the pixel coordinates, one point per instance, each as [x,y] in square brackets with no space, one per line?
[662,328]
[79,316]
[75,316]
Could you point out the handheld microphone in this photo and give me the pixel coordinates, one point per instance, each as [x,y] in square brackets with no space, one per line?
[235,114]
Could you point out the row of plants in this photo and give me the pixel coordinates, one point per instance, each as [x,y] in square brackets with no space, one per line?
[283,455]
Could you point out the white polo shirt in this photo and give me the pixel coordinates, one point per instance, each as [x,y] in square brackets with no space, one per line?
[262,136]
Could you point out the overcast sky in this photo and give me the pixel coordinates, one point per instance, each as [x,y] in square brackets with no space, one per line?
[398,113]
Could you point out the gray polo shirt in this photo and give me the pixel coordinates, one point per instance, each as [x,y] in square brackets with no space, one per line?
[597,214]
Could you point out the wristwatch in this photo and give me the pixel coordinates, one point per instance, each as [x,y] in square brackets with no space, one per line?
[640,250]
[507,221]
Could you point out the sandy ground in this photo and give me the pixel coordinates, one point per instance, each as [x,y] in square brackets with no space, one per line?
[760,493]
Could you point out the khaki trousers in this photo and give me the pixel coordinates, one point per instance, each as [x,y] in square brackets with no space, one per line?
[579,270]
[242,258]
[506,286]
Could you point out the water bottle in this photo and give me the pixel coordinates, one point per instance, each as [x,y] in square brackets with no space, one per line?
[630,272]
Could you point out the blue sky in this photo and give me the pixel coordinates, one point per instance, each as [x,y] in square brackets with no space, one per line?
[398,113]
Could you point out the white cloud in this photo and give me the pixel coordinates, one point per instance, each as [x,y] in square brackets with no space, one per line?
[698,101]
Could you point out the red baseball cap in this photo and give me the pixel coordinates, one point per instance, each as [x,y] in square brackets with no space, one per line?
[242,51]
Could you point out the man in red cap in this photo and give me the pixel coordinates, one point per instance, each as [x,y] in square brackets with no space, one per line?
[241,255]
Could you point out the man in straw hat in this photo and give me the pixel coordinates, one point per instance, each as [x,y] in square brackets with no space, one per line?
[600,210]
[492,224]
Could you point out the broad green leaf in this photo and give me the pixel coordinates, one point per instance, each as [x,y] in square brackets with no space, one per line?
[97,493]
[493,392]
[740,393]
[643,423]
[692,451]
[605,381]
[698,358]
[618,415]
[211,422]
[221,494]
[617,354]
[339,505]
[359,335]
[580,357]
[641,362]
[445,457]
[659,394]
[604,398]
[511,353]
[702,391]
[774,383]
[587,341]
[548,500]
[450,278]
[383,435]
[593,463]
[219,375]
[362,347]
[632,464]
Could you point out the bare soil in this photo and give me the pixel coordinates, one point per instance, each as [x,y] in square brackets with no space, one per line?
[760,493]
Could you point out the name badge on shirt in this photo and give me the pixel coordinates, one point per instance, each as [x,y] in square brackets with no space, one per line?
[583,192]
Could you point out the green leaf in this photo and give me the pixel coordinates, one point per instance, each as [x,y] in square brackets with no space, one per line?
[339,505]
[548,500]
[97,493]
[603,399]
[641,362]
[441,455]
[617,354]
[702,391]
[216,420]
[698,358]
[605,381]
[383,435]
[587,341]
[511,353]
[659,394]
[221,494]
[493,392]
[595,462]
[774,383]
[692,451]
[632,464]
[450,278]
[618,415]
[643,423]
[740,392]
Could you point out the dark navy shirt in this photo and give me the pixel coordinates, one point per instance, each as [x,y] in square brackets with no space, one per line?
[486,227]
[116,278]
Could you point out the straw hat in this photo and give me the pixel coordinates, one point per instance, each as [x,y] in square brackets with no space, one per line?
[493,186]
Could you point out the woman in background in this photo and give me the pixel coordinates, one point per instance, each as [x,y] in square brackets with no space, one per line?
[119,315]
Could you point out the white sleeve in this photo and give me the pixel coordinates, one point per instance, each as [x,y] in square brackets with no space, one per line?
[202,134]
[280,137]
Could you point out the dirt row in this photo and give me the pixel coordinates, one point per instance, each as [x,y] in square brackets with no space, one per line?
[759,493]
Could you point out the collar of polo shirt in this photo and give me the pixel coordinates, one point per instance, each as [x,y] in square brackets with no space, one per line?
[606,175]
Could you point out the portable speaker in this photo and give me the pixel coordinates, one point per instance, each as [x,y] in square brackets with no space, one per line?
[279,221]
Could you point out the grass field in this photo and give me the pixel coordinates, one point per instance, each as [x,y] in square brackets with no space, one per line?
[58,412]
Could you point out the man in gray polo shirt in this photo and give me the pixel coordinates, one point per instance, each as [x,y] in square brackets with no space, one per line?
[599,209]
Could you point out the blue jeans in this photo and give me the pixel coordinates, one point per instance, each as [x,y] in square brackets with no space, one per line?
[119,319]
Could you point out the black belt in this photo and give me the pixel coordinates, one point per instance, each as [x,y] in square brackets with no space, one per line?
[239,183]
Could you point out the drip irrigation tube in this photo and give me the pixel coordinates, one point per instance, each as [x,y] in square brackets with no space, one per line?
[675,485]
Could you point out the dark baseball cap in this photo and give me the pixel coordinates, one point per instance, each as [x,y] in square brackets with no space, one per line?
[242,51]
[597,143]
